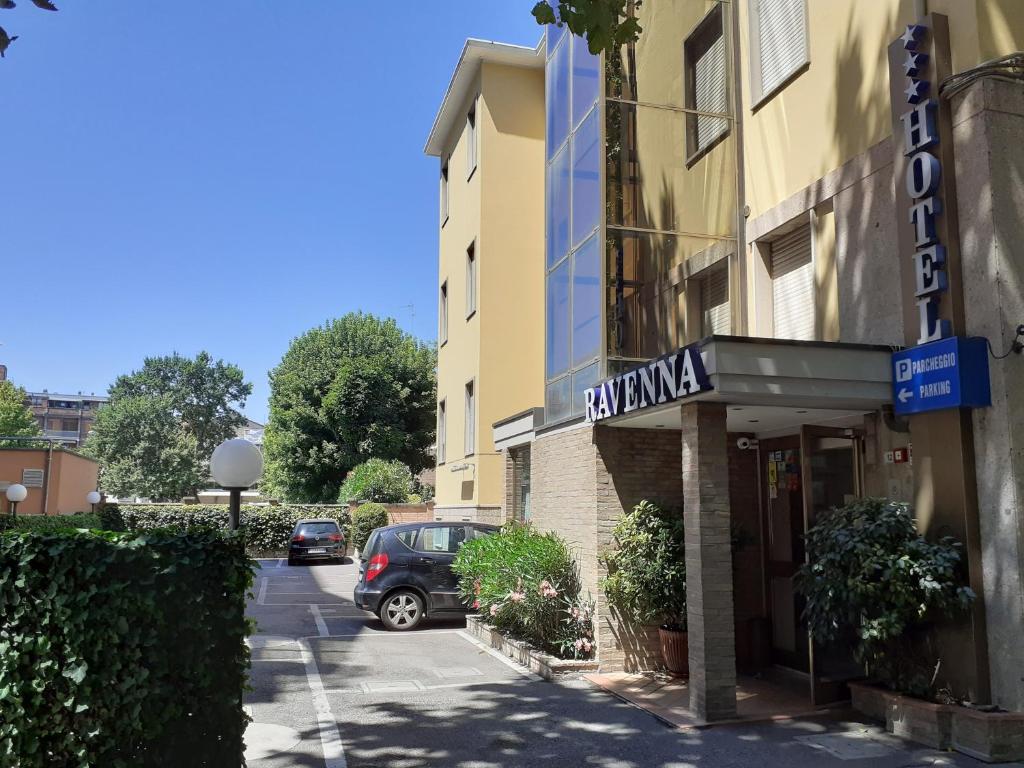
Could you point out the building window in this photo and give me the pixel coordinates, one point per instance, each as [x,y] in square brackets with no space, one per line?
[442,432]
[69,425]
[714,301]
[520,483]
[470,419]
[779,46]
[470,280]
[707,88]
[792,273]
[471,140]
[443,313]
[444,192]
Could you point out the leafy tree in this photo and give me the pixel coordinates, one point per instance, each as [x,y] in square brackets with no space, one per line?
[145,449]
[353,389]
[389,482]
[155,436]
[606,24]
[16,420]
[205,395]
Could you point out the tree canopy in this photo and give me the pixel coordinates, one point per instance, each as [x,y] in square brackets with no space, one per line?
[353,389]
[606,24]
[16,419]
[155,436]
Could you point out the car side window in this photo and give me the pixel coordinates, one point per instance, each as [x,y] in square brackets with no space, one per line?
[481,533]
[442,538]
[408,537]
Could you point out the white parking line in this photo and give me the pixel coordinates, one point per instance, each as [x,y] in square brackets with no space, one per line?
[263,591]
[280,563]
[321,625]
[330,739]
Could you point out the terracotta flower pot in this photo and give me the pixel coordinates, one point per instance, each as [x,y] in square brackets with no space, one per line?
[675,650]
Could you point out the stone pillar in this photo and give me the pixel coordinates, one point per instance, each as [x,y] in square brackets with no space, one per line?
[706,518]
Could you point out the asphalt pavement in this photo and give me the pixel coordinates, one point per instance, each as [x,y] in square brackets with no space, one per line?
[333,689]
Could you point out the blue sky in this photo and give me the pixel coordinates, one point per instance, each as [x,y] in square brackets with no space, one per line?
[219,175]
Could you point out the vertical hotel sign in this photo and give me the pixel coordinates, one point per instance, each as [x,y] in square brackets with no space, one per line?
[925,189]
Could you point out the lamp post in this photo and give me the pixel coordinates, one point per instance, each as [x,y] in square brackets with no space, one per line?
[16,493]
[236,464]
[93,497]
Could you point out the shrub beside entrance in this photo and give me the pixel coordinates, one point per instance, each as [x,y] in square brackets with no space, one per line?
[528,585]
[122,650]
[365,519]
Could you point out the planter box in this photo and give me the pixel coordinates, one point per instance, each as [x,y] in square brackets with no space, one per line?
[548,667]
[921,721]
[995,737]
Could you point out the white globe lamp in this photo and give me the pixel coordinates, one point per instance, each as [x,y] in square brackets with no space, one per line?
[16,493]
[93,498]
[236,464]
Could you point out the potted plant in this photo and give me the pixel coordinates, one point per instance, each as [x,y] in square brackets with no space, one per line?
[646,579]
[874,584]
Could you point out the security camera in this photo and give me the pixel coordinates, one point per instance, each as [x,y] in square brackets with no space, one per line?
[745,443]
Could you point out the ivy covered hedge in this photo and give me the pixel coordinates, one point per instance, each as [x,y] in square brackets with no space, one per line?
[121,650]
[266,528]
[41,523]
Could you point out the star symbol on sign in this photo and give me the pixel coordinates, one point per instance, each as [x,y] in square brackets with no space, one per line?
[910,37]
[916,90]
[913,63]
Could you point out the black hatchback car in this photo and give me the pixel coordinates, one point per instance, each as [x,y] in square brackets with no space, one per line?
[405,571]
[316,539]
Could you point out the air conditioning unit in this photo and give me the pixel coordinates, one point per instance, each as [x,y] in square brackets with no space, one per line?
[32,478]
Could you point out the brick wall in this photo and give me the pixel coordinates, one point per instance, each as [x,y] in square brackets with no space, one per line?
[633,465]
[405,513]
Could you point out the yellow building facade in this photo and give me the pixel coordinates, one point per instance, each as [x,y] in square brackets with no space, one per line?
[489,138]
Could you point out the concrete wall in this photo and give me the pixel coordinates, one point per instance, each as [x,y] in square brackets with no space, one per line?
[71,477]
[988,133]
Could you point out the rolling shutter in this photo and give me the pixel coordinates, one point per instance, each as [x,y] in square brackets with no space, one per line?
[782,40]
[714,302]
[793,285]
[710,91]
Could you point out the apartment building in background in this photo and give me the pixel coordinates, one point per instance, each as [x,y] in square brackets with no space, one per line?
[746,211]
[489,138]
[66,417]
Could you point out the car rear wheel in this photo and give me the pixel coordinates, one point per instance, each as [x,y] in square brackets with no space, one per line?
[402,611]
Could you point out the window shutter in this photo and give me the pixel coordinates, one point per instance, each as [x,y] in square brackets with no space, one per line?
[710,92]
[782,40]
[714,302]
[793,285]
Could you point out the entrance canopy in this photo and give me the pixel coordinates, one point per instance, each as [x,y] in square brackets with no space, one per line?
[772,385]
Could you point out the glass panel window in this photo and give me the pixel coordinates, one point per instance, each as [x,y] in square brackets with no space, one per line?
[557,396]
[557,94]
[553,33]
[471,140]
[470,418]
[444,192]
[471,280]
[582,380]
[586,69]
[442,538]
[442,431]
[586,302]
[586,179]
[706,86]
[558,208]
[558,321]
[443,312]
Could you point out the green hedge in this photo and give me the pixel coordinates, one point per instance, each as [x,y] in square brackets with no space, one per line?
[42,523]
[266,528]
[365,519]
[122,650]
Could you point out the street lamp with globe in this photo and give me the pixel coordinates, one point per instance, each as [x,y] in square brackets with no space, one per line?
[16,493]
[93,497]
[236,464]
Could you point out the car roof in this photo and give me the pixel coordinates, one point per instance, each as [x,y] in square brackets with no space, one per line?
[408,526]
[316,520]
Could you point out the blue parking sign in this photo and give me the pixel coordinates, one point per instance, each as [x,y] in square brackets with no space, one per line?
[948,373]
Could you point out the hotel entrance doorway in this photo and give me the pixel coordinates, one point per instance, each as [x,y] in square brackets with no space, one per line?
[804,475]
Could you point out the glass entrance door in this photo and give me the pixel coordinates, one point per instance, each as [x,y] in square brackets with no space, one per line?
[831,476]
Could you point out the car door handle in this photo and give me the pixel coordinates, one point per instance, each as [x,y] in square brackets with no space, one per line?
[425,560]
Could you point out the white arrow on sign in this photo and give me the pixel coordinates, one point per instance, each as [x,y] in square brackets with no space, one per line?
[905,394]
